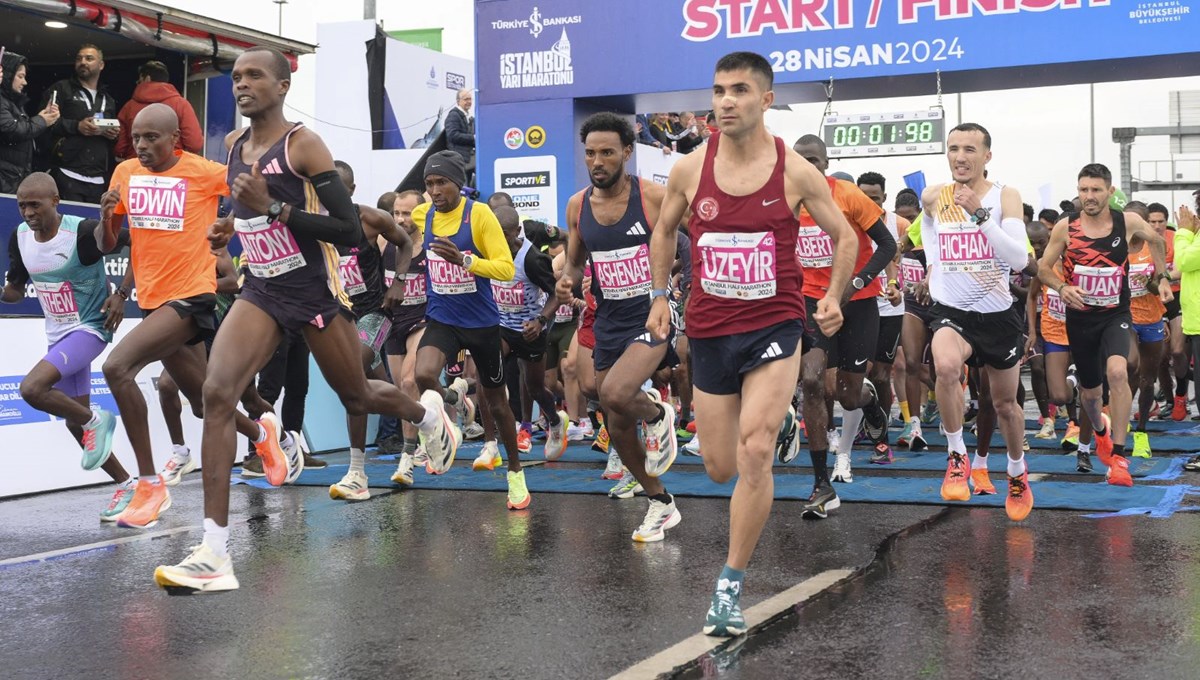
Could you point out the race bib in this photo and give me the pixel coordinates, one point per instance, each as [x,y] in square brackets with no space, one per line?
[1138,275]
[156,202]
[509,296]
[448,278]
[1101,286]
[1055,305]
[911,271]
[389,277]
[624,273]
[564,314]
[268,247]
[739,266]
[814,248]
[351,275]
[414,289]
[964,249]
[58,301]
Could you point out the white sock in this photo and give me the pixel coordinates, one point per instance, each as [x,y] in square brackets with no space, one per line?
[916,424]
[979,462]
[851,421]
[182,451]
[429,422]
[357,460]
[286,441]
[216,537]
[954,442]
[94,420]
[1085,448]
[262,435]
[1016,468]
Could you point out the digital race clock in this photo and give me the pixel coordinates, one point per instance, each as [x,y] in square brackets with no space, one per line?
[864,135]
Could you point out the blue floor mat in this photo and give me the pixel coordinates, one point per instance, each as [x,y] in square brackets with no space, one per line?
[1165,442]
[1095,496]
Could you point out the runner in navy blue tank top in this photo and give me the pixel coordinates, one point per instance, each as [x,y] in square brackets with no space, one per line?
[281,175]
[609,225]
[745,315]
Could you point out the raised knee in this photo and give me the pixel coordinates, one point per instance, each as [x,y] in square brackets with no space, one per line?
[32,390]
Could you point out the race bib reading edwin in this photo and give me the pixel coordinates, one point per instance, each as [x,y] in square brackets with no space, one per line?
[156,202]
[449,278]
[739,266]
[58,301]
[1101,286]
[814,248]
[351,273]
[269,248]
[623,273]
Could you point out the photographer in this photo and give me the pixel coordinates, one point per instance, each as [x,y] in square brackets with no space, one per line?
[81,154]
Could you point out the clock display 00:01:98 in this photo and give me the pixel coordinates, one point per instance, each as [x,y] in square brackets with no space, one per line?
[859,134]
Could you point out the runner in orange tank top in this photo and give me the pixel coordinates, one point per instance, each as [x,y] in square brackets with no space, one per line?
[1149,332]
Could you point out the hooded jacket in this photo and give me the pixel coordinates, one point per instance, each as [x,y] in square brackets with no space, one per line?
[89,156]
[17,129]
[191,138]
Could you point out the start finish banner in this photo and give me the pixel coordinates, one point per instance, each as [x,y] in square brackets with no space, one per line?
[532,50]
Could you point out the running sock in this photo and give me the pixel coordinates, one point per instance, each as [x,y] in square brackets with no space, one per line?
[664,498]
[429,422]
[904,411]
[1101,433]
[357,459]
[1085,448]
[286,441]
[1118,449]
[93,421]
[954,442]
[1016,468]
[851,422]
[216,537]
[979,462]
[181,450]
[262,435]
[820,468]
[662,413]
[733,576]
[410,446]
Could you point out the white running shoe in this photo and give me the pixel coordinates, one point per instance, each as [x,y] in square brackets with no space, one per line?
[659,517]
[585,426]
[626,487]
[420,458]
[178,466]
[294,451]
[661,444]
[472,430]
[442,443]
[576,433]
[352,487]
[404,470]
[202,571]
[614,469]
[556,437]
[841,469]
[692,448]
[489,458]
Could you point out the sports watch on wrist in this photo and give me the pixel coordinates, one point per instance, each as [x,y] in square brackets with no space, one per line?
[275,210]
[468,260]
[858,283]
[981,215]
[659,292]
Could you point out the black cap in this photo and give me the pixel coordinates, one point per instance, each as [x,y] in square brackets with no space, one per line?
[448,164]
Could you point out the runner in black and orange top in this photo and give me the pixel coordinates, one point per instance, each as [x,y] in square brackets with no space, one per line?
[281,176]
[854,345]
[170,198]
[745,316]
[1094,248]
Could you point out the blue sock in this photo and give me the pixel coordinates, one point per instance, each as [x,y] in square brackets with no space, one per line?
[733,576]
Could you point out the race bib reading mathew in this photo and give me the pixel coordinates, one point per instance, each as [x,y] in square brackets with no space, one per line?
[351,274]
[268,247]
[448,278]
[814,248]
[1139,274]
[509,296]
[1101,286]
[624,273]
[964,249]
[58,301]
[740,266]
[156,202]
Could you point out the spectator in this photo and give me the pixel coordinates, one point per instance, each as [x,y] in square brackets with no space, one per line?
[81,154]
[17,129]
[460,129]
[660,128]
[153,87]
[644,136]
[691,131]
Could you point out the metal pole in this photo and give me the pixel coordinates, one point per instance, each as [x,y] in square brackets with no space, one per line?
[280,3]
[369,9]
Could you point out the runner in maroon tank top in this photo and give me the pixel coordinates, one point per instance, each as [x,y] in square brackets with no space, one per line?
[745,318]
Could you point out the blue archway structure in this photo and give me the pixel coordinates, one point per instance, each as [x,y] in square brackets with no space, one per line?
[544,65]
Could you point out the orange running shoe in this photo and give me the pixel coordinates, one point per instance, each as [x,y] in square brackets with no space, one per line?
[524,441]
[1020,497]
[150,499]
[1118,472]
[1104,445]
[1180,411]
[275,463]
[954,485]
[982,484]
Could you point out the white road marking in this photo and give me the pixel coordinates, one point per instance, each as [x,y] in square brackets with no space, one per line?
[101,545]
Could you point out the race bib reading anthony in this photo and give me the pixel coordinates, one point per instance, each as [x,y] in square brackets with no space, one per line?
[509,296]
[1101,286]
[351,274]
[269,248]
[448,278]
[739,266]
[964,249]
[814,248]
[624,273]
[58,301]
[156,202]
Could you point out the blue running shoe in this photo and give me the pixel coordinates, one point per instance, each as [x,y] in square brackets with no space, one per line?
[725,615]
[97,440]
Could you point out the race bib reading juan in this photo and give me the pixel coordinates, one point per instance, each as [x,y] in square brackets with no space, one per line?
[58,301]
[268,247]
[1101,286]
[351,275]
[156,202]
[509,296]
[739,266]
[624,273]
[964,249]
[814,248]
[449,278]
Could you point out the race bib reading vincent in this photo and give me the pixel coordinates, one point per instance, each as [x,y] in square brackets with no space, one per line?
[156,202]
[509,296]
[623,273]
[738,265]
[268,247]
[1101,286]
[814,248]
[448,278]
[351,275]
[964,249]
[58,301]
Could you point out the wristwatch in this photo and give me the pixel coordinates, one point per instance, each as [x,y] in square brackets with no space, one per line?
[981,215]
[275,210]
[541,318]
[659,292]
[894,282]
[468,260]
[858,283]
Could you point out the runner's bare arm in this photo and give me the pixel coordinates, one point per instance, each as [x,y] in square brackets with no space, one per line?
[1031,312]
[110,221]
[575,254]
[1140,232]
[227,276]
[1052,255]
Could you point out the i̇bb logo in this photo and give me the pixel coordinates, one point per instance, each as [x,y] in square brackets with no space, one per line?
[514,138]
[708,208]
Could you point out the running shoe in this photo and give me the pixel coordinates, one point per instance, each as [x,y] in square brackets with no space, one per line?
[1180,410]
[659,517]
[150,499]
[929,412]
[472,431]
[882,455]
[691,426]
[1118,471]
[784,442]
[1083,461]
[692,448]
[905,434]
[119,501]
[524,440]
[393,443]
[1165,408]
[460,404]
[954,484]
[1047,431]
[442,443]
[420,457]
[613,470]
[489,458]
[274,460]
[626,487]
[841,470]
[971,414]
[1025,443]
[1153,412]
[518,493]
[97,440]
[918,442]
[661,445]
[601,443]
[1192,464]
[202,571]
[252,468]
[683,434]
[831,439]
[585,428]
[724,618]
[1020,497]
[404,470]
[1104,445]
[575,433]
[1070,440]
[177,466]
[294,450]
[556,437]
[311,462]
[823,500]
[982,483]
[1141,445]
[352,487]
[466,411]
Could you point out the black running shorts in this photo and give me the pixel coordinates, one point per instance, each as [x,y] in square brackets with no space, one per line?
[889,338]
[997,339]
[854,345]
[1093,338]
[523,349]
[719,364]
[482,343]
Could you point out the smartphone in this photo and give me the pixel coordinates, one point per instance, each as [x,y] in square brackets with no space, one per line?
[2,48]
[54,98]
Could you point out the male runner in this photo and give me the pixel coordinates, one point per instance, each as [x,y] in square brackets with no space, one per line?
[1178,354]
[746,313]
[280,175]
[915,335]
[976,236]
[60,255]
[609,225]
[1149,328]
[854,344]
[1094,247]
[170,198]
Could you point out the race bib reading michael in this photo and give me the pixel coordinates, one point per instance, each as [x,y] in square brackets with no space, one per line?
[448,278]
[58,301]
[351,274]
[964,249]
[414,288]
[509,296]
[1055,305]
[268,248]
[622,274]
[1138,275]
[740,266]
[156,202]
[814,248]
[1101,286]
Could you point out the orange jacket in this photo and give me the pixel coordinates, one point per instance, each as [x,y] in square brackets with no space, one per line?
[191,137]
